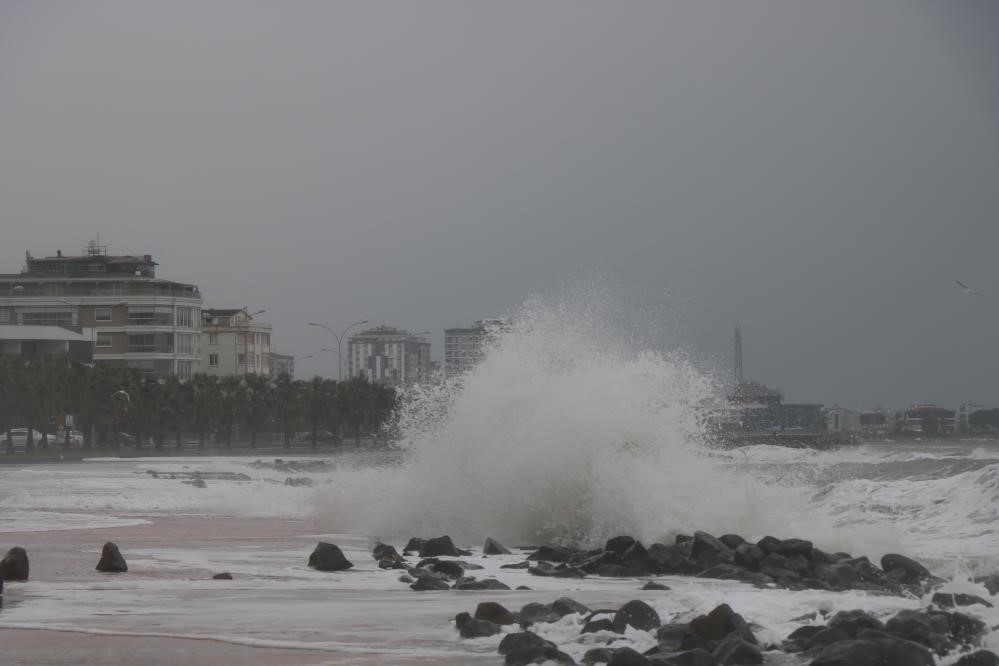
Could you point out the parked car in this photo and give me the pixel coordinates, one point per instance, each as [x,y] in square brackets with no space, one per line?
[19,439]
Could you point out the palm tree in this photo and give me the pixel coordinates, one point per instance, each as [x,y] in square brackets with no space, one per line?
[319,396]
[259,400]
[205,405]
[286,402]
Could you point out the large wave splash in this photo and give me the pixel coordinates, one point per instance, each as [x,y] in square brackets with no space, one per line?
[563,433]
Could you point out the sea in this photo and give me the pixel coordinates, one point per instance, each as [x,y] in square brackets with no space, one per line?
[562,434]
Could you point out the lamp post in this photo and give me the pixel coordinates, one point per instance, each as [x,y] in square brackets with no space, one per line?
[339,343]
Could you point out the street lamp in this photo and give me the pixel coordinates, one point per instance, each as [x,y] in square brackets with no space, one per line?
[339,343]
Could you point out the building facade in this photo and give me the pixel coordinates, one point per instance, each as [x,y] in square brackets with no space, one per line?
[389,355]
[465,347]
[282,364]
[132,317]
[233,343]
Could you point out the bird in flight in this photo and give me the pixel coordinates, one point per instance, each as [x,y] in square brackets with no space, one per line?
[966,289]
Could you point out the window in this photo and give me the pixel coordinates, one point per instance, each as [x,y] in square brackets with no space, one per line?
[48,318]
[4,316]
[112,289]
[185,343]
[241,359]
[240,338]
[103,340]
[183,370]
[184,318]
[52,289]
[213,338]
[150,315]
[102,314]
[213,360]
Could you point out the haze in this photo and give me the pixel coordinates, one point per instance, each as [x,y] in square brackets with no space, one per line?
[818,172]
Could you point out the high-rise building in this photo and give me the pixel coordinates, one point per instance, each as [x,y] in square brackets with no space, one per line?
[282,364]
[465,347]
[130,316]
[389,355]
[233,343]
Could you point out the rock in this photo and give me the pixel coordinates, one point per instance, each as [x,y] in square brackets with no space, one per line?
[534,612]
[461,619]
[14,565]
[565,606]
[652,585]
[828,636]
[521,640]
[383,551]
[980,658]
[991,583]
[866,572]
[707,550]
[447,568]
[619,571]
[197,483]
[733,541]
[878,652]
[670,636]
[478,628]
[768,544]
[839,576]
[296,481]
[328,557]
[537,655]
[626,656]
[494,612]
[721,622]
[485,584]
[695,657]
[921,627]
[551,554]
[493,547]
[428,581]
[560,571]
[111,559]
[948,600]
[670,559]
[619,544]
[914,571]
[853,620]
[732,572]
[519,565]
[792,547]
[414,545]
[637,614]
[637,558]
[593,626]
[749,555]
[735,650]
[225,575]
[438,546]
[598,655]
[404,578]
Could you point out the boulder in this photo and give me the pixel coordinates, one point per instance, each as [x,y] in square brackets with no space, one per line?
[565,606]
[493,547]
[708,550]
[619,544]
[438,546]
[827,636]
[225,575]
[478,628]
[948,600]
[537,655]
[14,565]
[599,655]
[670,559]
[876,652]
[721,622]
[485,584]
[560,571]
[737,651]
[670,636]
[452,569]
[111,559]
[428,581]
[980,658]
[593,626]
[695,657]
[769,544]
[534,612]
[653,585]
[625,656]
[637,614]
[792,547]
[414,545]
[733,541]
[749,555]
[494,612]
[521,640]
[551,554]
[329,557]
[852,621]
[637,558]
[914,571]
[383,551]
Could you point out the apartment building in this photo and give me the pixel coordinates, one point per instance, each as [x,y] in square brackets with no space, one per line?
[389,356]
[465,347]
[234,343]
[130,316]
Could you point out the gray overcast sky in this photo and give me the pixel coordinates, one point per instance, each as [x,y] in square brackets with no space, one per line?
[821,172]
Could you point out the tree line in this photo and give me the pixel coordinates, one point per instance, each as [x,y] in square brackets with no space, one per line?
[114,406]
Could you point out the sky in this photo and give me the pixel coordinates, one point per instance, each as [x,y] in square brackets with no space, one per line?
[818,172]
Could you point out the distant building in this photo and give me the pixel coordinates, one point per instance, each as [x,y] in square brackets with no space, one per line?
[389,355]
[33,342]
[841,419]
[282,364]
[801,416]
[233,343]
[465,347]
[928,419]
[130,316]
[877,423]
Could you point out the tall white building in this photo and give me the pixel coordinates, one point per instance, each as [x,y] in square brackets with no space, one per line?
[233,343]
[465,347]
[116,302]
[389,355]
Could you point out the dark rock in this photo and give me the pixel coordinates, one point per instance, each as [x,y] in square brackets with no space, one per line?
[873,634]
[805,633]
[749,555]
[551,554]
[735,650]
[980,658]
[414,545]
[383,551]
[670,636]
[619,544]
[652,585]
[560,571]
[964,629]
[295,481]
[929,629]
[733,541]
[947,600]
[795,563]
[769,544]
[565,606]
[695,657]
[792,547]
[225,575]
[328,557]
[486,584]
[619,571]
[853,620]
[669,559]
[405,579]
[637,614]
[438,546]
[827,636]
[537,655]
[534,612]
[518,565]
[391,563]
[914,571]
[447,568]
[428,581]
[494,612]
[478,628]
[839,576]
[879,652]
[991,583]
[636,557]
[593,626]
[626,656]
[732,572]
[111,559]
[721,622]
[461,619]
[707,550]
[866,572]
[521,640]
[598,655]
[14,565]
[494,547]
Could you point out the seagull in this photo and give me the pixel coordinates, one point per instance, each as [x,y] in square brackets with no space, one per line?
[967,290]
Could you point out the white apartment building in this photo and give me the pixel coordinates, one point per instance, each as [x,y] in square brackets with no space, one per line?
[389,355]
[130,316]
[233,343]
[465,347]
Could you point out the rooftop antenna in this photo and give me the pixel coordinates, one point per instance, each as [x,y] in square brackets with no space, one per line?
[738,355]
